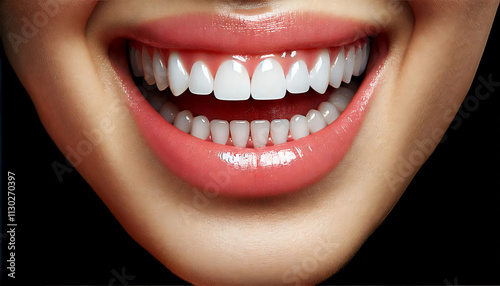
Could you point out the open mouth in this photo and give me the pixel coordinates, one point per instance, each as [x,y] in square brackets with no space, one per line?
[249,120]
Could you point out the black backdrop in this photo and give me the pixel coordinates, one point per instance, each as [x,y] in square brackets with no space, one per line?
[443,231]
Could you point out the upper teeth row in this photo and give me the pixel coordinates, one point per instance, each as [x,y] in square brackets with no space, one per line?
[232,81]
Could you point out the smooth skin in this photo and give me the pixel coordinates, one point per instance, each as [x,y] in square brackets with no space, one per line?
[303,238]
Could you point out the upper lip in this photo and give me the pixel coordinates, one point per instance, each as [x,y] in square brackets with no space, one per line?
[211,166]
[239,34]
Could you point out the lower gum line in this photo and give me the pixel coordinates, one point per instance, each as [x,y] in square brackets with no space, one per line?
[265,132]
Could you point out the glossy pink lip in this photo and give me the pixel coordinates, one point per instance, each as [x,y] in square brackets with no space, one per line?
[247,172]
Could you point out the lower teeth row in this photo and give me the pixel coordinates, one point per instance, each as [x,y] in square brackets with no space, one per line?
[258,133]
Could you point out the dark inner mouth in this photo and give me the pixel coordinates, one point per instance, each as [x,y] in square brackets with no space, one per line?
[248,110]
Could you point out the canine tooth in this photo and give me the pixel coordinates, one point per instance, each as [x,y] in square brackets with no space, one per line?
[260,132]
[268,81]
[133,62]
[366,56]
[329,111]
[201,80]
[349,65]
[240,130]
[320,74]
[297,79]
[298,127]
[138,62]
[183,120]
[341,97]
[337,70]
[357,62]
[168,111]
[148,66]
[232,82]
[200,127]
[160,71]
[156,101]
[279,131]
[220,131]
[315,121]
[178,77]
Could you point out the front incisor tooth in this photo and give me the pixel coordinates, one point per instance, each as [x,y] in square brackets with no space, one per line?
[240,130]
[279,131]
[200,127]
[337,70]
[298,127]
[160,70]
[349,65]
[201,80]
[147,64]
[178,77]
[260,133]
[268,81]
[320,74]
[183,121]
[329,111]
[220,131]
[168,111]
[297,79]
[232,82]
[315,121]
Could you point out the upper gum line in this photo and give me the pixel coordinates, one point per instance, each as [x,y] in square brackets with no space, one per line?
[213,60]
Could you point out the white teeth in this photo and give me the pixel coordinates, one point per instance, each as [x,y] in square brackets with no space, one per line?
[341,97]
[220,131]
[240,130]
[133,62]
[147,64]
[337,70]
[138,62]
[178,77]
[168,111]
[349,65]
[200,127]
[279,131]
[358,62]
[315,121]
[160,71]
[298,127]
[232,82]
[268,81]
[320,74]
[156,101]
[201,80]
[260,133]
[183,120]
[297,79]
[366,55]
[329,111]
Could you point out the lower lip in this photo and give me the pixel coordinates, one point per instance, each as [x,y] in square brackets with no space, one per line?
[246,172]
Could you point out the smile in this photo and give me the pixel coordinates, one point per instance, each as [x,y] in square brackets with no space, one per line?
[247,119]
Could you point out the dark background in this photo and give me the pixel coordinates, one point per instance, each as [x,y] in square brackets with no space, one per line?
[444,230]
